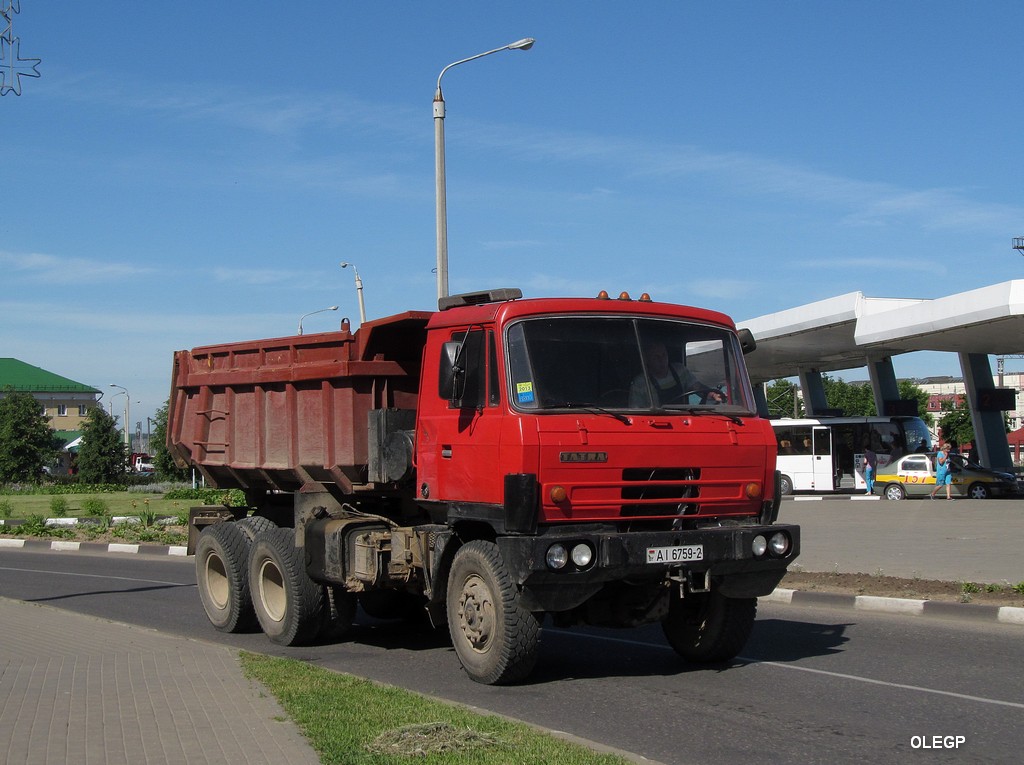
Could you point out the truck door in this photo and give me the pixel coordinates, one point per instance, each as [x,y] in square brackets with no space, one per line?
[824,469]
[465,423]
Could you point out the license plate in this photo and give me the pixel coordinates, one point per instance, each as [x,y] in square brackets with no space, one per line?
[675,554]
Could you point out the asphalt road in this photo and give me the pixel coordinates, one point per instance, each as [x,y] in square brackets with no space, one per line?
[813,685]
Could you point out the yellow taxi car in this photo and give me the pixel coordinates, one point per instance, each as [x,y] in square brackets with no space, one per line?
[914,476]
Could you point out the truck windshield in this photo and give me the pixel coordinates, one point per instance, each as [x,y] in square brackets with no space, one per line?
[625,363]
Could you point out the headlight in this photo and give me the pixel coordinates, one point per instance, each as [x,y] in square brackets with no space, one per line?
[582,555]
[759,546]
[557,557]
[779,543]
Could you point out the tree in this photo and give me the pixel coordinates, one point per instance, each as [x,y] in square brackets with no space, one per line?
[783,400]
[103,456]
[956,424]
[908,390]
[852,400]
[27,444]
[162,459]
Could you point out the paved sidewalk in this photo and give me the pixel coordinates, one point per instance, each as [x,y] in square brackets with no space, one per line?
[77,689]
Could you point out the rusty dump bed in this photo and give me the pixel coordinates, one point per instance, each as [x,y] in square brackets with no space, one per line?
[285,412]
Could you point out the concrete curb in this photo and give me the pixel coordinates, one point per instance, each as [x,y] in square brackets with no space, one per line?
[63,545]
[933,608]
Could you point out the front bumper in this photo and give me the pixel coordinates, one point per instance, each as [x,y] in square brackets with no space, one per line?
[728,561]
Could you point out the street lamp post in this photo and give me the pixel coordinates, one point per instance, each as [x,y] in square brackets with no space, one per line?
[359,292]
[439,171]
[321,310]
[127,408]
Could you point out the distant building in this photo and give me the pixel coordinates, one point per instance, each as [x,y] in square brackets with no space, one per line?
[953,390]
[65,402]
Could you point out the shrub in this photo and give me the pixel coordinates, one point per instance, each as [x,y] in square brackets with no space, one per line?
[229,497]
[160,487]
[95,506]
[36,526]
[59,507]
[62,488]
[6,508]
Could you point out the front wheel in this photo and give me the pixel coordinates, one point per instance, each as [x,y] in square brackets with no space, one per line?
[895,492]
[785,485]
[290,606]
[495,638]
[709,627]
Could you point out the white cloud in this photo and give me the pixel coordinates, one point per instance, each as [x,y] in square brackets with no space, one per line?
[859,202]
[51,269]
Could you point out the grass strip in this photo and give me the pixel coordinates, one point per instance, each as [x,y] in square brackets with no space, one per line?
[353,720]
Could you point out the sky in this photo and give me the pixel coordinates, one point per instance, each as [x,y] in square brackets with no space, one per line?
[188,174]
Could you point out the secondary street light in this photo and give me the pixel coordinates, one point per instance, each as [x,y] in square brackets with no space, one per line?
[127,402]
[442,210]
[359,292]
[321,310]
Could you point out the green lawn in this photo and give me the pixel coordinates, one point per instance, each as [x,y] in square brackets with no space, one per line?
[119,503]
[33,509]
[353,720]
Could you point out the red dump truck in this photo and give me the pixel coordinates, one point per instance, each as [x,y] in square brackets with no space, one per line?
[599,461]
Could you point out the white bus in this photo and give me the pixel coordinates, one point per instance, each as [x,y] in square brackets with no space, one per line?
[825,454]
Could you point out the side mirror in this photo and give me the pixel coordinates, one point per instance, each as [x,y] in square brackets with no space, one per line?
[451,377]
[747,342]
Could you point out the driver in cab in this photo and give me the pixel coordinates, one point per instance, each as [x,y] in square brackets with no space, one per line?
[670,383]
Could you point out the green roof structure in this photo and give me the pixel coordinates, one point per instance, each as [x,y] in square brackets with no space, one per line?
[30,379]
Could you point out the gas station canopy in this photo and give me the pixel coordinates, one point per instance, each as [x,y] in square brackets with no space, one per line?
[850,330]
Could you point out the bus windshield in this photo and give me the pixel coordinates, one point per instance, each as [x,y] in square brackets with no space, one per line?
[625,363]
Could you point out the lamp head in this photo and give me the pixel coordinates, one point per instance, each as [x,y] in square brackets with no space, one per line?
[525,44]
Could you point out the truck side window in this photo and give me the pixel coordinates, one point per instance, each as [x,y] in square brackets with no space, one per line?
[493,390]
[473,395]
[462,370]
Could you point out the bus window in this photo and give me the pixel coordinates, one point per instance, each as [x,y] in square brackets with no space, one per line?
[822,442]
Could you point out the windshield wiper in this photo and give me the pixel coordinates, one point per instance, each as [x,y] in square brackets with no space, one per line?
[702,410]
[592,408]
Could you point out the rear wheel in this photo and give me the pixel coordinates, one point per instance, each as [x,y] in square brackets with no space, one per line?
[291,607]
[339,613]
[895,492]
[495,638]
[709,627]
[254,524]
[222,556]
[978,491]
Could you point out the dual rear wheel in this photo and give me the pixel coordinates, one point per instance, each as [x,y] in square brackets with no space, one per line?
[250,574]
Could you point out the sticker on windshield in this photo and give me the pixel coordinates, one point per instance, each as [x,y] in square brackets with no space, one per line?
[524,392]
